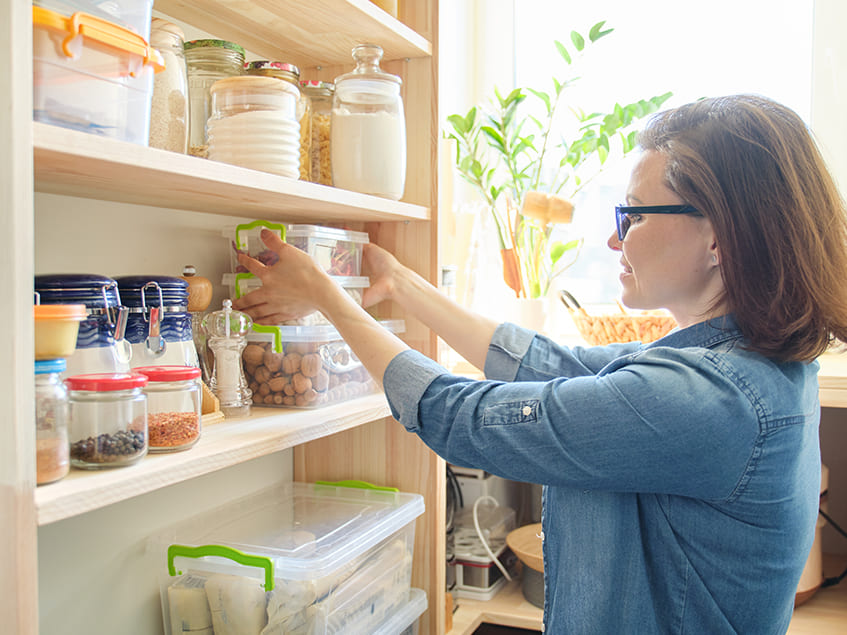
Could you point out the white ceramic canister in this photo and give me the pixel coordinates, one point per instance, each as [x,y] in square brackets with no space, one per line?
[368,130]
[254,124]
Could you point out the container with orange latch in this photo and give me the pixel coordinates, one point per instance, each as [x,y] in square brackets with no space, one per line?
[92,75]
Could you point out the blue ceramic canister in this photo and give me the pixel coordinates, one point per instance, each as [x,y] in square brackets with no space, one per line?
[100,344]
[158,321]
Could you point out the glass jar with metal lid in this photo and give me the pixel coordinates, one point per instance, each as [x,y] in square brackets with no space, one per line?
[52,461]
[368,128]
[169,108]
[254,124]
[174,401]
[291,74]
[320,94]
[207,61]
[108,419]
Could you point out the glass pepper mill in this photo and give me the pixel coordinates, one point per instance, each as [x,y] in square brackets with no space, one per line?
[226,332]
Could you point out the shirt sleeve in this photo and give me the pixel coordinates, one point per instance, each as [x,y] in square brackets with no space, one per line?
[661,420]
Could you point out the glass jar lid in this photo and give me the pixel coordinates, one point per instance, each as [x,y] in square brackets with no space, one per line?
[163,32]
[92,290]
[227,323]
[48,366]
[106,382]
[150,290]
[313,86]
[253,90]
[216,44]
[168,373]
[367,58]
[280,70]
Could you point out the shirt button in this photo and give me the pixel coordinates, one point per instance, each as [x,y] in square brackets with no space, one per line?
[542,536]
[527,410]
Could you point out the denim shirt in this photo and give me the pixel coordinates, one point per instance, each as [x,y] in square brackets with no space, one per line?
[681,478]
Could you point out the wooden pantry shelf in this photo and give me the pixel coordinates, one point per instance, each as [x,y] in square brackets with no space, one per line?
[308,33]
[79,164]
[221,445]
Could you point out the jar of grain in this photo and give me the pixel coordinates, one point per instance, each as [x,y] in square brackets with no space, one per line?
[368,128]
[52,461]
[320,94]
[291,74]
[169,108]
[108,419]
[174,402]
[207,61]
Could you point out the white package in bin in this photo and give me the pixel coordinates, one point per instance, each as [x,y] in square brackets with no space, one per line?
[299,559]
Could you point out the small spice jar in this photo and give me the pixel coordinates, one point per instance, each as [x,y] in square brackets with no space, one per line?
[320,94]
[108,419]
[169,107]
[174,401]
[206,62]
[291,74]
[51,422]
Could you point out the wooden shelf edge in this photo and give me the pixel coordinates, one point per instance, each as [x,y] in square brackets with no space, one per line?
[76,163]
[221,445]
[308,33]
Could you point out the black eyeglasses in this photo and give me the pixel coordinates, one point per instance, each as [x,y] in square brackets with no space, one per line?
[623,213]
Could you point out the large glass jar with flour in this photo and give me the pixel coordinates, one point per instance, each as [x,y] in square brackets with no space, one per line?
[368,129]
[169,108]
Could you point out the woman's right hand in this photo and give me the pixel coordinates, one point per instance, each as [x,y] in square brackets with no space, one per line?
[380,266]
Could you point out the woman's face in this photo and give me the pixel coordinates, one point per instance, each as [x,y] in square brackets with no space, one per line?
[669,261]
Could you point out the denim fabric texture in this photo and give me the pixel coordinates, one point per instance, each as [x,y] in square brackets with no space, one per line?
[681,478]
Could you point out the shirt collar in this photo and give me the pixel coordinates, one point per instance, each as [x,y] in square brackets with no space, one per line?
[704,334]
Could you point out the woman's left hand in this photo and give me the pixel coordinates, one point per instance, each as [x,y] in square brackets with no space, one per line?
[292,287]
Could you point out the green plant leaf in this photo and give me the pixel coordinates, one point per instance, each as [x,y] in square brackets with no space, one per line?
[563,52]
[597,32]
[559,249]
[578,40]
[543,97]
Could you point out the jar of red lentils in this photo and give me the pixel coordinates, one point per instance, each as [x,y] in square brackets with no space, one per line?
[174,401]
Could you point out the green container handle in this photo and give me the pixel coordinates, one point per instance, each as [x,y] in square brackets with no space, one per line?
[221,551]
[253,225]
[358,485]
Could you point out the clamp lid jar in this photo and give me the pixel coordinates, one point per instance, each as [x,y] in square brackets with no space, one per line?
[108,419]
[174,402]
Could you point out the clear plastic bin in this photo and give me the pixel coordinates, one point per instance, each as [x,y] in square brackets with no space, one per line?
[132,14]
[295,558]
[240,284]
[92,75]
[404,621]
[305,366]
[338,251]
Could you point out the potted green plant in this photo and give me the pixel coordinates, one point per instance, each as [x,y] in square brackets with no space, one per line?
[528,176]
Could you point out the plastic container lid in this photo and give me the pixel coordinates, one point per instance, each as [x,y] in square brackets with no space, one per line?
[307,530]
[106,382]
[319,231]
[310,333]
[168,373]
[59,311]
[45,366]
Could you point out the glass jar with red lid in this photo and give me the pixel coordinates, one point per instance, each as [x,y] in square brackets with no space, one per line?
[108,419]
[174,400]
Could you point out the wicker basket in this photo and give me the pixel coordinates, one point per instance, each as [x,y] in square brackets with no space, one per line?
[599,330]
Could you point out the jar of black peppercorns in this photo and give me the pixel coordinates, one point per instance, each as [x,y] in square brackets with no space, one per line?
[108,419]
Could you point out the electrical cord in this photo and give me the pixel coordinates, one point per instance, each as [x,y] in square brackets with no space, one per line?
[485,545]
[832,581]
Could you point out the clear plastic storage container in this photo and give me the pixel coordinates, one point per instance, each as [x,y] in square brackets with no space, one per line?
[338,251]
[246,238]
[132,14]
[92,75]
[240,284]
[305,366]
[174,402]
[298,558]
[108,419]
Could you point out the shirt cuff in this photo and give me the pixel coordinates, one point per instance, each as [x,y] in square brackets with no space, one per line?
[406,379]
[506,351]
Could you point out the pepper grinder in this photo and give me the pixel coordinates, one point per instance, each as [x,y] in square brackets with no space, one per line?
[226,331]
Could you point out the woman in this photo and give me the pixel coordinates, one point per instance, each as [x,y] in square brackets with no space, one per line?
[681,477]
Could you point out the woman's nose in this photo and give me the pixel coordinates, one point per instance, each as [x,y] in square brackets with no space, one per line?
[614,243]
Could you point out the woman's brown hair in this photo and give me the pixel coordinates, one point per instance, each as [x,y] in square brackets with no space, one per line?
[751,166]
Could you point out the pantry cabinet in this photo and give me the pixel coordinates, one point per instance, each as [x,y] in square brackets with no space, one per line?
[72,552]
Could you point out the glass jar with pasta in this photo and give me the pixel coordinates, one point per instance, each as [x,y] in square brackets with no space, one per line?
[320,94]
